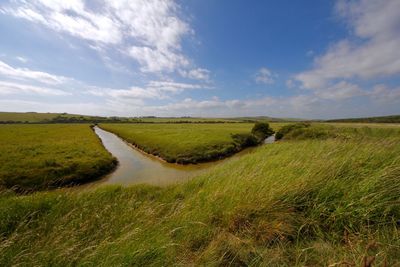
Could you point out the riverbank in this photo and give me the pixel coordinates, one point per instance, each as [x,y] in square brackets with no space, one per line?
[136,166]
[311,202]
[183,144]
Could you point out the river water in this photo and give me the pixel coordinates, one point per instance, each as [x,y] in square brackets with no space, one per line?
[137,167]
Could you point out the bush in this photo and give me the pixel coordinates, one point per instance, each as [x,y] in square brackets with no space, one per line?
[244,140]
[289,128]
[261,130]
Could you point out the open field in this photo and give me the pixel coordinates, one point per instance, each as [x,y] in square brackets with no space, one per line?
[193,143]
[186,120]
[212,120]
[42,156]
[26,116]
[35,117]
[381,119]
[317,200]
[361,124]
[182,143]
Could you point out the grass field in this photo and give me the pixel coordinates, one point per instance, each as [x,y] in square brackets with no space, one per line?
[36,117]
[330,200]
[382,119]
[187,120]
[42,156]
[26,116]
[182,143]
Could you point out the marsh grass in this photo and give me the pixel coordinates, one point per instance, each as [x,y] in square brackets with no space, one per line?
[43,156]
[183,143]
[309,202]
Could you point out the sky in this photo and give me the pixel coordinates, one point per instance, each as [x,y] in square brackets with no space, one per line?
[208,58]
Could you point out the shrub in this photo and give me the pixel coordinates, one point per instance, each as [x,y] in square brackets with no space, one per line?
[244,140]
[289,128]
[261,130]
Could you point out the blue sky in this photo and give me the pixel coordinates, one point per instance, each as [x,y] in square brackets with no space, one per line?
[307,59]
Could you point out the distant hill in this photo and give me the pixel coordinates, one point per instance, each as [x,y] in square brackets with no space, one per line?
[36,117]
[382,119]
[26,116]
[266,118]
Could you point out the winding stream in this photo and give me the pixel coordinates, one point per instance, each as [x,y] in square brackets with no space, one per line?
[137,167]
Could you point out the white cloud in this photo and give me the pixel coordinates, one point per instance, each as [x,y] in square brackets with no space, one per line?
[215,107]
[385,95]
[196,74]
[290,83]
[68,16]
[153,90]
[85,108]
[340,90]
[22,59]
[375,54]
[150,31]
[156,60]
[10,88]
[265,76]
[310,53]
[27,74]
[174,87]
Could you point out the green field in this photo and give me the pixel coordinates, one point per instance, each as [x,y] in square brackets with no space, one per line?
[26,116]
[43,156]
[314,199]
[36,117]
[382,119]
[182,143]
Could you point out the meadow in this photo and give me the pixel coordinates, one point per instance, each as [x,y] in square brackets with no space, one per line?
[323,196]
[38,117]
[26,116]
[43,156]
[182,143]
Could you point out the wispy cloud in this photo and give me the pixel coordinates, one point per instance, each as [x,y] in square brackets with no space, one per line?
[196,74]
[149,31]
[22,59]
[340,90]
[265,76]
[158,60]
[27,74]
[376,26]
[12,88]
[153,90]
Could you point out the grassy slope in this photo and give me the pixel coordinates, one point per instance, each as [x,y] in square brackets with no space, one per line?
[36,117]
[292,203]
[27,116]
[187,119]
[382,119]
[181,142]
[38,156]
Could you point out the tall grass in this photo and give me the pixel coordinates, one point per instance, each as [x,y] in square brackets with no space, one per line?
[313,202]
[44,156]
